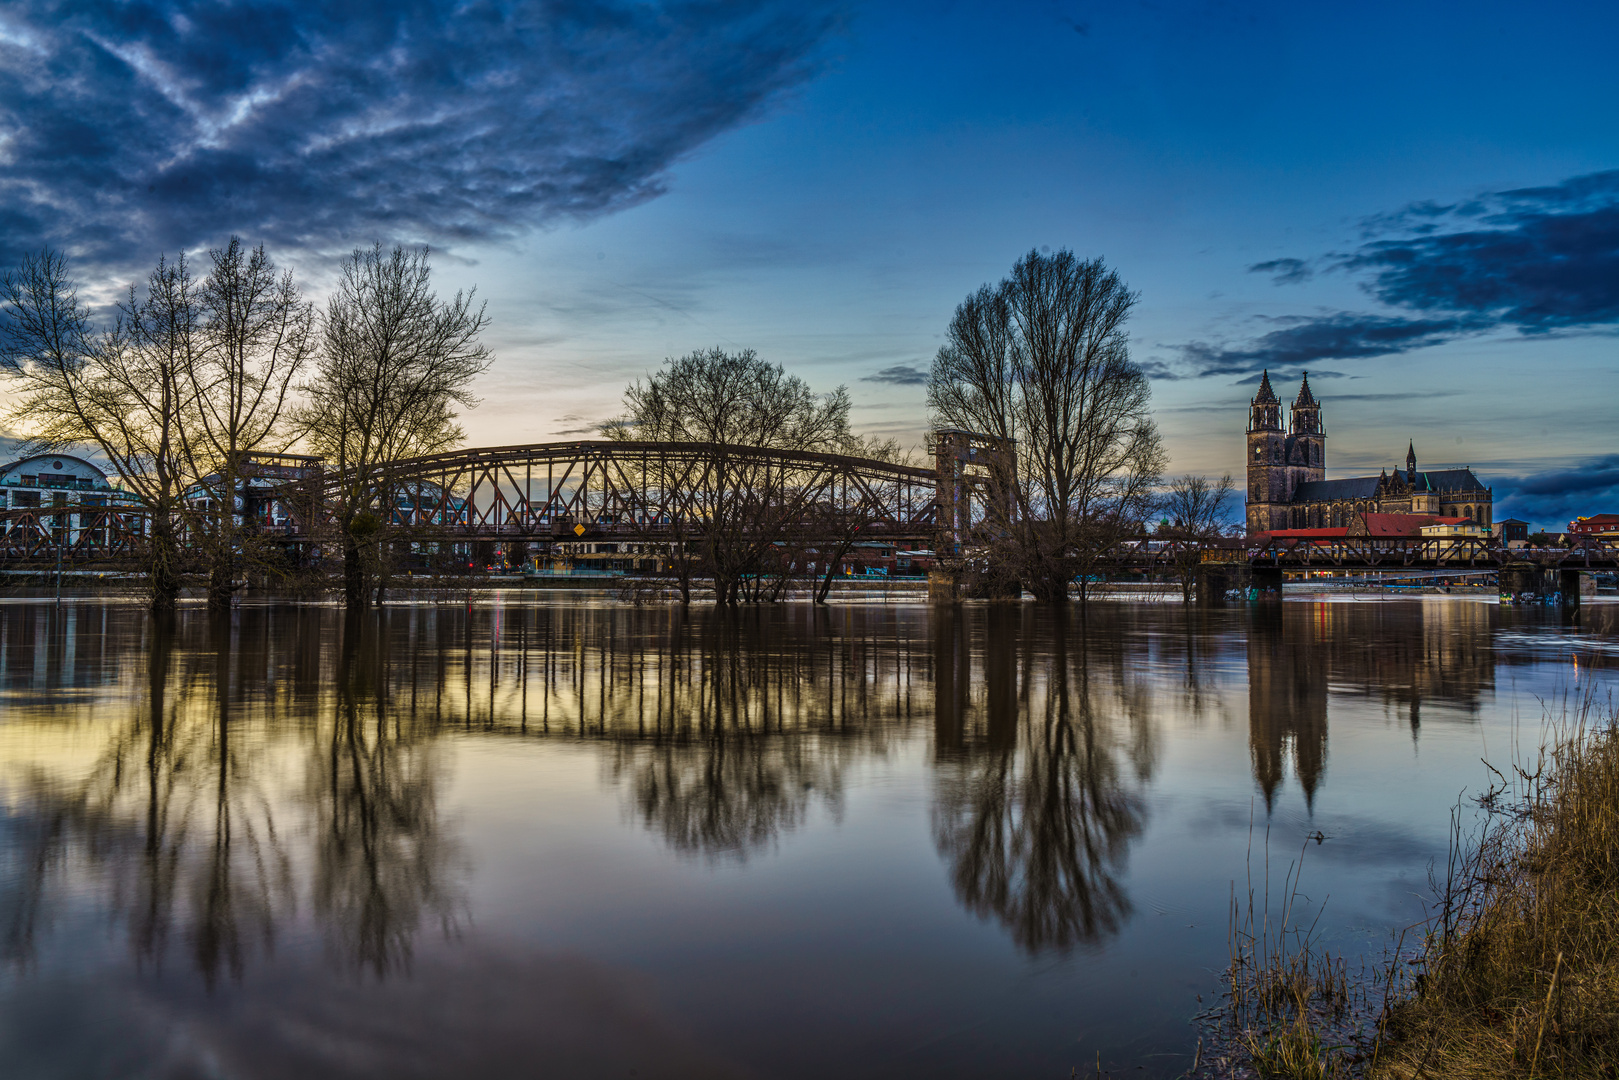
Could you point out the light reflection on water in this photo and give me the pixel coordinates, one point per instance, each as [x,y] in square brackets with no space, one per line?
[552,837]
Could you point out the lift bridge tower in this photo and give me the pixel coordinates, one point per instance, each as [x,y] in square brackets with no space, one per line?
[974,487]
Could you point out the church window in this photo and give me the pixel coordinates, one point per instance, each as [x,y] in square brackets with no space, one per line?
[1468,512]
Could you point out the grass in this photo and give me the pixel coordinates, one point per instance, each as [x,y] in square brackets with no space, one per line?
[1292,1008]
[1516,974]
[1519,972]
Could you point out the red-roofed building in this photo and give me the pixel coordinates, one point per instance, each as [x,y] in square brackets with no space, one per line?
[1594,525]
[1401,525]
[1383,526]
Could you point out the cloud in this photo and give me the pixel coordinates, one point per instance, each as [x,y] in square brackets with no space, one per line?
[1554,497]
[899,375]
[1342,335]
[1286,376]
[1534,260]
[1284,271]
[130,128]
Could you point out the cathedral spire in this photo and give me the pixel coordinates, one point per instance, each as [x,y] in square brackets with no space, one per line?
[1306,410]
[1265,411]
[1411,463]
[1305,398]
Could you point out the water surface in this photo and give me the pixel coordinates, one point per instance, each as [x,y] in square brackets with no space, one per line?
[566,838]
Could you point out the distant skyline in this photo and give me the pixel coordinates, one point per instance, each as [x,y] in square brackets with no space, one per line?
[1417,203]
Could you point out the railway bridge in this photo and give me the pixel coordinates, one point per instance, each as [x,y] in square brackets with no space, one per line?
[657,493]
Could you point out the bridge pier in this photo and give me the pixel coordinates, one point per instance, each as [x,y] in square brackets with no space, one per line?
[944,586]
[1215,581]
[1266,582]
[1568,589]
[1525,584]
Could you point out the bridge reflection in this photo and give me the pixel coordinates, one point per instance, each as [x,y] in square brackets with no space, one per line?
[212,783]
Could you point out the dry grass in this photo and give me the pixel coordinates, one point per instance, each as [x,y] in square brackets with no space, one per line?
[1519,974]
[1292,1010]
[1516,974]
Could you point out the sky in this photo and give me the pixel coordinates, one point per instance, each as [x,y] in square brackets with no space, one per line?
[1417,203]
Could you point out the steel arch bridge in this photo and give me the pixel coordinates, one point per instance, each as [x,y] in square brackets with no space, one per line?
[595,489]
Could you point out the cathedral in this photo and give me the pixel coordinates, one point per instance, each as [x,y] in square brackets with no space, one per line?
[1287,476]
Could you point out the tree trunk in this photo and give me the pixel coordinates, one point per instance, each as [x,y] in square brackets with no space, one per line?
[355,593]
[165,569]
[221,586]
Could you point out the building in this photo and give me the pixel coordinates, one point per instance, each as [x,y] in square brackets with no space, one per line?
[1595,525]
[1513,531]
[48,496]
[1287,476]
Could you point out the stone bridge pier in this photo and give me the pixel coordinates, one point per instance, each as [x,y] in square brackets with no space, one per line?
[1526,584]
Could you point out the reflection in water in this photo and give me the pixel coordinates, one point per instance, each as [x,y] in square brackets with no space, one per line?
[242,766]
[381,862]
[1032,812]
[182,822]
[256,804]
[1300,653]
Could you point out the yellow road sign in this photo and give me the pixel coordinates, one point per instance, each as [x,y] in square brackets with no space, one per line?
[578,530]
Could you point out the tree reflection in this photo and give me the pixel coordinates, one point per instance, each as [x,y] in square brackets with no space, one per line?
[382,866]
[170,822]
[749,728]
[1036,819]
[184,830]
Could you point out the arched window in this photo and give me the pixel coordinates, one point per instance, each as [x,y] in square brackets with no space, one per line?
[1467,511]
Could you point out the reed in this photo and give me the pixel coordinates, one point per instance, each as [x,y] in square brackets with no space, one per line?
[1518,974]
[1292,1009]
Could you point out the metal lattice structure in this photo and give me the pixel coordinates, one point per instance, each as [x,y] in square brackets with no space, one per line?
[80,533]
[638,490]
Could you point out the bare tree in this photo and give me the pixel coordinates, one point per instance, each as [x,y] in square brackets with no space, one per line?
[1042,361]
[731,403]
[840,525]
[1195,508]
[259,333]
[394,364]
[125,391]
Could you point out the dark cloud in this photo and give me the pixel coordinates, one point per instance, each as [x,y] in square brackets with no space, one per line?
[899,375]
[126,128]
[1343,335]
[1556,496]
[1534,260]
[1292,376]
[1284,271]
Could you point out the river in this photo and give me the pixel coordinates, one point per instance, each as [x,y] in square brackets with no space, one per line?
[564,837]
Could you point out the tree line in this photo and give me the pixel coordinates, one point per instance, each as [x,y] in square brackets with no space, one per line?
[192,374]
[1039,363]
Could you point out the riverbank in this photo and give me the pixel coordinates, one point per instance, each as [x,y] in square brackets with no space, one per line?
[1516,974]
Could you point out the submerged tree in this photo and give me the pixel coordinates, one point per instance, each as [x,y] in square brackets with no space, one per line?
[127,390]
[1195,508]
[394,364]
[258,333]
[1042,361]
[727,404]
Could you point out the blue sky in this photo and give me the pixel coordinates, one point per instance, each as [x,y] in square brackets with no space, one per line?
[1428,192]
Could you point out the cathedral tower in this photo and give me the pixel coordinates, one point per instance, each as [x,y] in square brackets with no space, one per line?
[1268,487]
[1307,444]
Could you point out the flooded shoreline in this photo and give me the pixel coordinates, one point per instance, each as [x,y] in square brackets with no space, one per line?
[878,839]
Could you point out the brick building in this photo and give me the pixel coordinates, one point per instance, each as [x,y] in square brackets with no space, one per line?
[1287,476]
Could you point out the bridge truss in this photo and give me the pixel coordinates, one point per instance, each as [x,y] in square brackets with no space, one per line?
[594,489]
